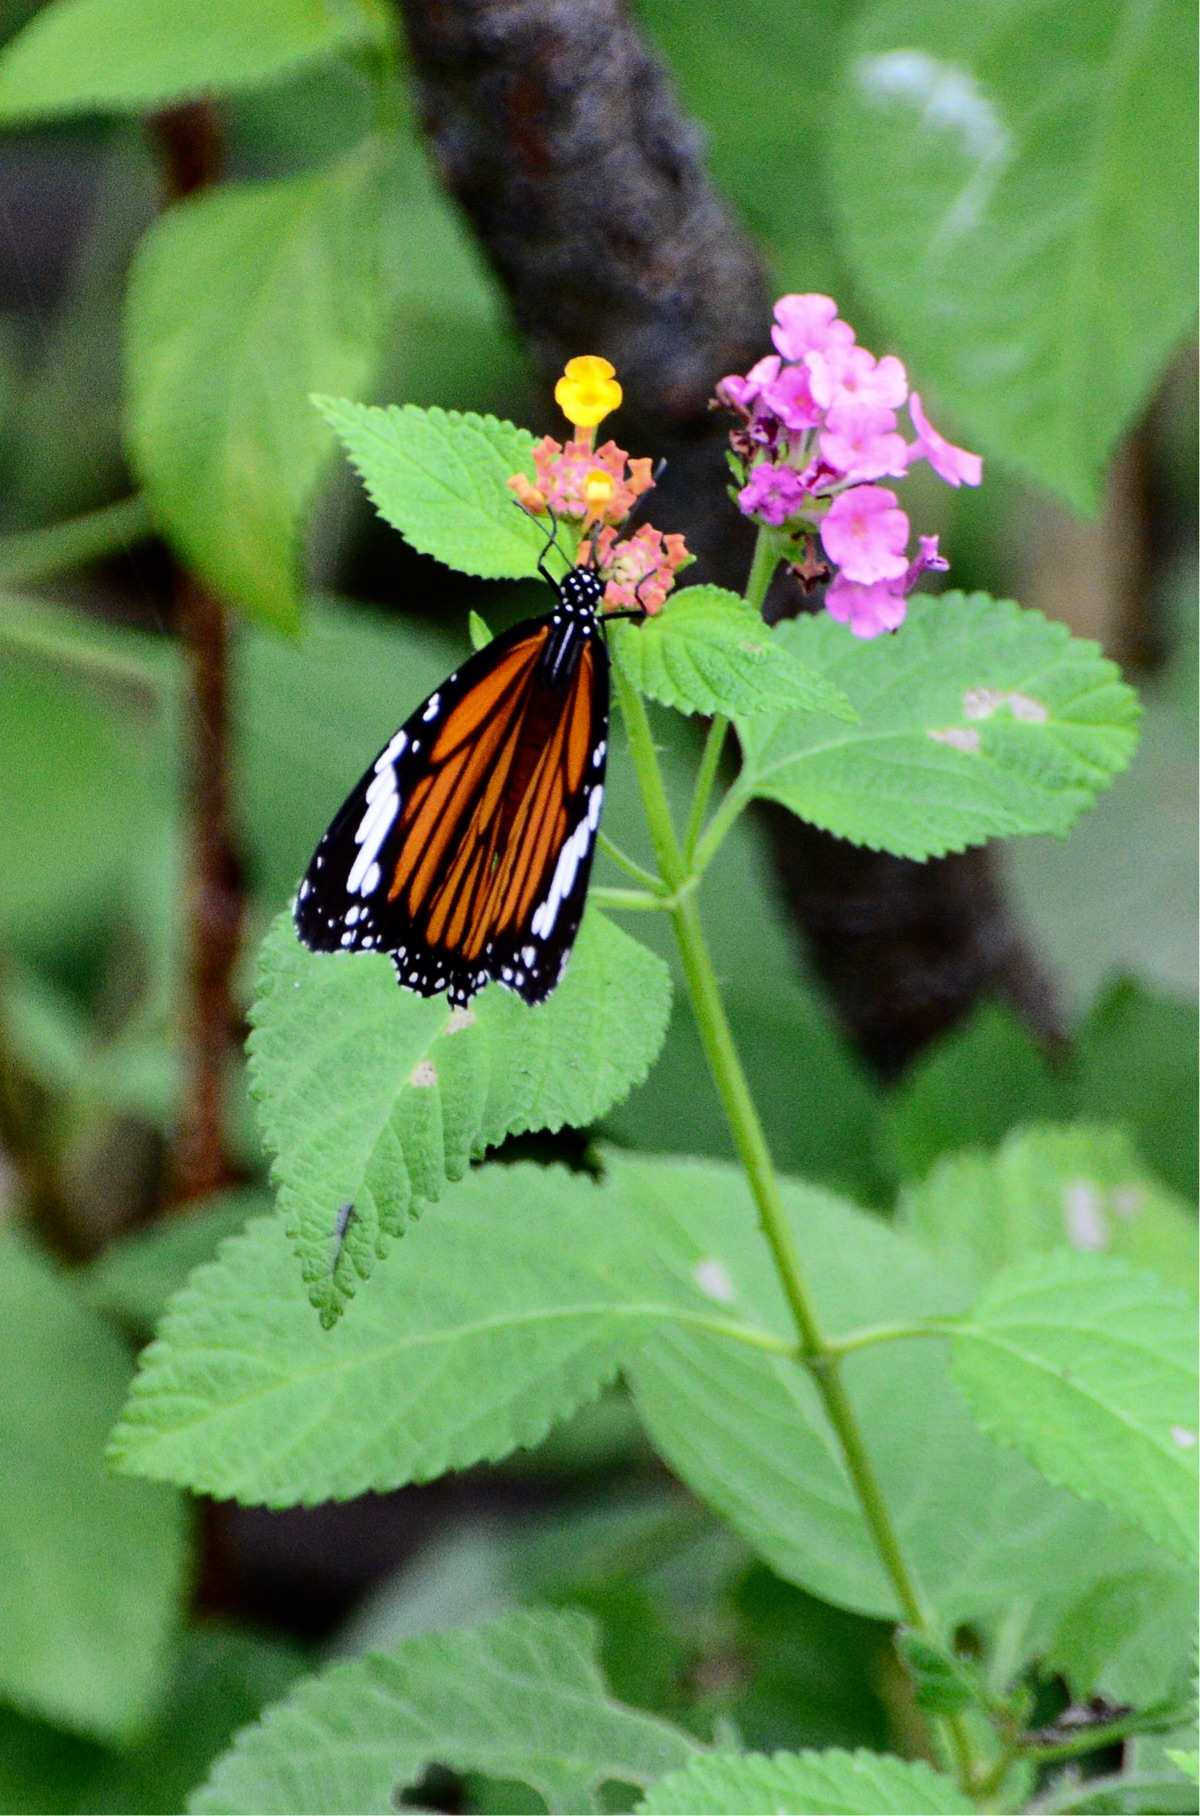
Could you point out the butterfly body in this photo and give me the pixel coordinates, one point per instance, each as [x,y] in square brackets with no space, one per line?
[464,851]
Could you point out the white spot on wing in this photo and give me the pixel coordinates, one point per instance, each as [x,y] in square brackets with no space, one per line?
[395,749]
[383,803]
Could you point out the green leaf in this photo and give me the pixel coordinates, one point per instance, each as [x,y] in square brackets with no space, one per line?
[708,651]
[1135,1063]
[440,478]
[350,680]
[808,1784]
[971,1087]
[374,1099]
[129,55]
[521,1698]
[1119,1622]
[712,67]
[1077,1187]
[487,1326]
[478,631]
[241,301]
[1187,1761]
[69,832]
[134,1278]
[1089,1368]
[976,720]
[944,1683]
[746,1430]
[1007,210]
[221,1680]
[93,1567]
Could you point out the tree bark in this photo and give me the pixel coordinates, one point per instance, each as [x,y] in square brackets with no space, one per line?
[558,133]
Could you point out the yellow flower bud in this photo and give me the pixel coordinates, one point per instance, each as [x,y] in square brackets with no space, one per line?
[598,489]
[587,391]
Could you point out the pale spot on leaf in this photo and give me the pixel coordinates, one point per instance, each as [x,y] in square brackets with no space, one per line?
[1083,1213]
[982,702]
[958,737]
[423,1074]
[460,1019]
[1128,1200]
[1185,1439]
[712,1277]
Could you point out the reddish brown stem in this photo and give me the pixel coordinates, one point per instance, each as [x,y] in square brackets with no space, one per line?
[214,906]
[189,144]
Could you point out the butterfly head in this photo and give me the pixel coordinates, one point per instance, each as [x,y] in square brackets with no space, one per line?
[580,592]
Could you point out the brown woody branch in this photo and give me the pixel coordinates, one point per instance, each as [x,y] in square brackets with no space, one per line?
[559,135]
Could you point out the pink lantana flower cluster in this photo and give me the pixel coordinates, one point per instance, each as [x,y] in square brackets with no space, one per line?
[819,425]
[639,569]
[570,479]
[597,488]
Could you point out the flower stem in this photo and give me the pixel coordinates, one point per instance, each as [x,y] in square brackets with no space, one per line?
[762,566]
[817,1353]
[706,775]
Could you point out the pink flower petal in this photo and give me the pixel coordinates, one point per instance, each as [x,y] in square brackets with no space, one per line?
[772,493]
[956,466]
[860,441]
[868,610]
[866,534]
[808,321]
[742,392]
[789,398]
[845,374]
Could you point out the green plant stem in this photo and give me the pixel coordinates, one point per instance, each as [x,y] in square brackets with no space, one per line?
[633,901]
[66,639]
[1091,1739]
[762,566]
[36,554]
[629,865]
[764,561]
[706,850]
[706,776]
[870,1334]
[750,1140]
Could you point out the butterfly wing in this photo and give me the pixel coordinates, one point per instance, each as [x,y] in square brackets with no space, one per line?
[464,851]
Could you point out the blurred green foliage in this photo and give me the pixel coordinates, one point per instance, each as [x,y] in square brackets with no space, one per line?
[113,1696]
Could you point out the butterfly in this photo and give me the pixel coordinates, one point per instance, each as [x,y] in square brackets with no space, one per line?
[464,851]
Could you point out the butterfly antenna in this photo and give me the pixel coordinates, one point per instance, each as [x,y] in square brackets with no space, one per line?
[551,541]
